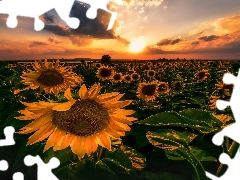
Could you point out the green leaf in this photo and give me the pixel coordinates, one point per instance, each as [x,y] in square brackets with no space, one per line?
[173,140]
[116,166]
[63,155]
[103,171]
[202,116]
[127,158]
[136,158]
[199,120]
[201,155]
[170,139]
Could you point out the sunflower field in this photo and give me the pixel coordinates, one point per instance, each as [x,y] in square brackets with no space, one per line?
[123,120]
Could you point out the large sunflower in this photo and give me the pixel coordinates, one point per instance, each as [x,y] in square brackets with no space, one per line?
[52,78]
[148,91]
[82,124]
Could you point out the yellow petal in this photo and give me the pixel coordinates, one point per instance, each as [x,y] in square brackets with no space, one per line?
[95,92]
[107,95]
[121,120]
[36,124]
[68,94]
[41,134]
[113,133]
[124,112]
[83,91]
[119,104]
[104,141]
[113,99]
[64,106]
[67,141]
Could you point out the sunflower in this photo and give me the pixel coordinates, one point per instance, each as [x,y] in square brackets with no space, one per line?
[117,77]
[163,87]
[128,78]
[201,75]
[105,73]
[82,124]
[151,73]
[50,78]
[135,76]
[177,85]
[147,91]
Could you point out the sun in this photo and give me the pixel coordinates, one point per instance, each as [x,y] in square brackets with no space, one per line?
[136,46]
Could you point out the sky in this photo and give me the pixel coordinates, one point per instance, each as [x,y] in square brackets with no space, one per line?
[144,29]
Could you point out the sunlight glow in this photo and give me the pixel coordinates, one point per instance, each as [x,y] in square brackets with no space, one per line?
[136,46]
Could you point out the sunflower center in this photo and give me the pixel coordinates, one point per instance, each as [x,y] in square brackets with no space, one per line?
[149,89]
[201,75]
[50,78]
[151,73]
[84,118]
[105,72]
[135,76]
[117,77]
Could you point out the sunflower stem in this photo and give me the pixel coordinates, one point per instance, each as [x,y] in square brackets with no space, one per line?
[100,153]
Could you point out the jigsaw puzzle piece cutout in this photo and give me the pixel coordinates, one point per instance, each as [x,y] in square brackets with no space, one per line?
[18,176]
[34,9]
[44,170]
[100,4]
[3,165]
[233,172]
[8,132]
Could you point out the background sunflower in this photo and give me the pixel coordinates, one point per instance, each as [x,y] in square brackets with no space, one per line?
[49,77]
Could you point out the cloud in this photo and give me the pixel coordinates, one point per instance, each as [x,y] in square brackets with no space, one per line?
[80,40]
[228,24]
[57,29]
[47,18]
[38,43]
[148,3]
[225,44]
[209,38]
[166,42]
[53,38]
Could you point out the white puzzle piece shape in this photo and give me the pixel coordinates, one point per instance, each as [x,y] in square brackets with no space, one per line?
[8,141]
[36,8]
[44,171]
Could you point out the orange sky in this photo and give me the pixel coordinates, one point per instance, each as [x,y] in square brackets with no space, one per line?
[189,29]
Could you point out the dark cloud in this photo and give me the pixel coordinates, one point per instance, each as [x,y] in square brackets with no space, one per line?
[209,38]
[96,28]
[175,41]
[48,18]
[57,29]
[166,42]
[38,43]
